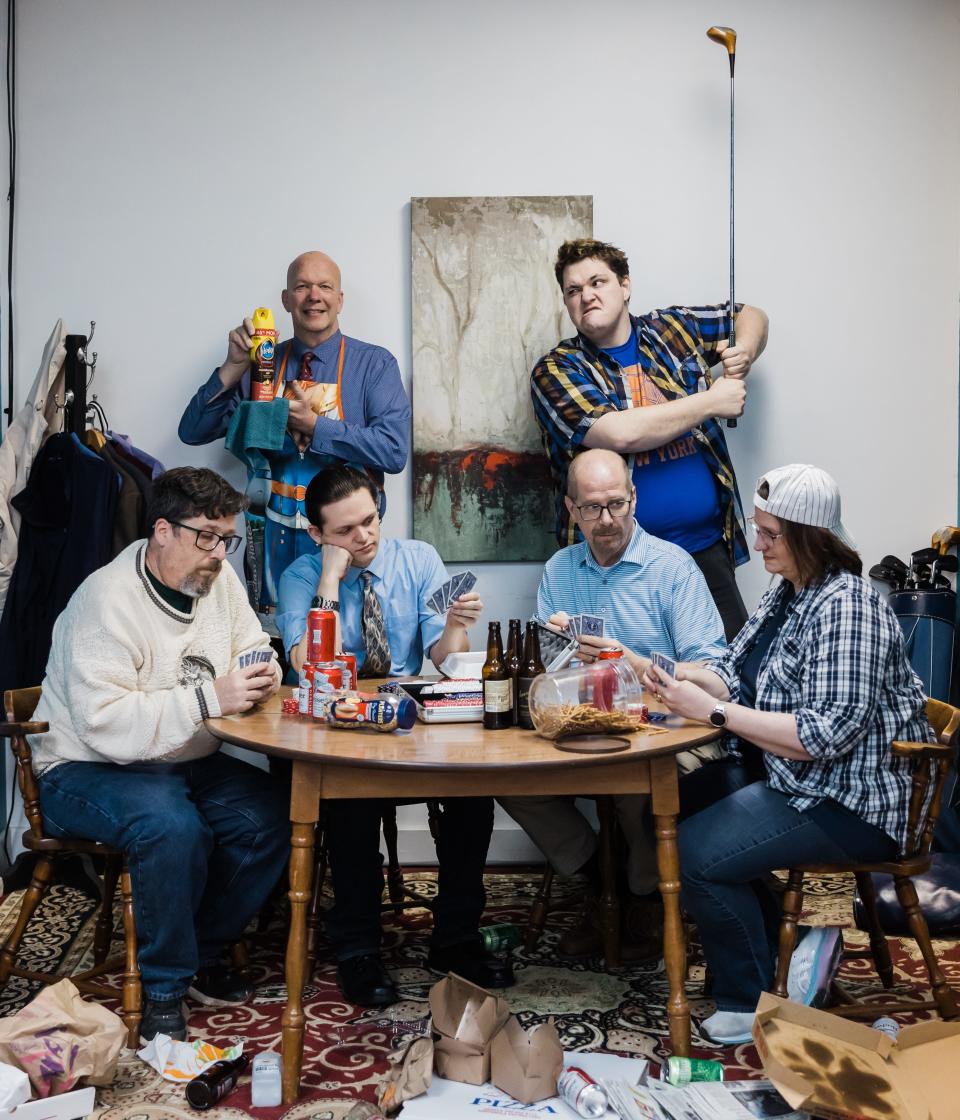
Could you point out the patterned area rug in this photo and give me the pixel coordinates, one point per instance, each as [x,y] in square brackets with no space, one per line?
[347,1046]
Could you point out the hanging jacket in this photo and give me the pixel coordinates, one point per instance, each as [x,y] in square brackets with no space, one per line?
[20,445]
[67,512]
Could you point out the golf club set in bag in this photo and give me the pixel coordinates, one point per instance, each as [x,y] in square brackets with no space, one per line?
[924,601]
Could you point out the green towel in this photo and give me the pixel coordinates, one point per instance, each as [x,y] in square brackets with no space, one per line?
[255,427]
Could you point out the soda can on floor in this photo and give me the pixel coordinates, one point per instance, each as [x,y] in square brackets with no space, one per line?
[581,1093]
[321,635]
[681,1071]
[887,1025]
[500,938]
[306,690]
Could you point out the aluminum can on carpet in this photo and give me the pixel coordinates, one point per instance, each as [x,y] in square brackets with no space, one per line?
[581,1093]
[681,1071]
[500,938]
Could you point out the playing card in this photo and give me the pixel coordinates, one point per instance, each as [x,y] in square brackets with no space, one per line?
[245,659]
[265,655]
[592,625]
[467,583]
[573,625]
[666,664]
[435,602]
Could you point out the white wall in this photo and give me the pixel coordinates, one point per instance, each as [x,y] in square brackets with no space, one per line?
[173,158]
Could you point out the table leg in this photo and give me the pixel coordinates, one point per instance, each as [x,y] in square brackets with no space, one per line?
[609,898]
[665,805]
[304,806]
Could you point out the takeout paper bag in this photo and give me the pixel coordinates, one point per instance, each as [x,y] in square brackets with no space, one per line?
[526,1064]
[465,1020]
[410,1075]
[59,1038]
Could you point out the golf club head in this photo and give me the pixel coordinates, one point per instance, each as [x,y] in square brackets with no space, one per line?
[948,563]
[726,37]
[923,579]
[883,574]
[941,583]
[895,563]
[924,556]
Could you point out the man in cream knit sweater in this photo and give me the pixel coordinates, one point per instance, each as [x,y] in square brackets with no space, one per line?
[146,649]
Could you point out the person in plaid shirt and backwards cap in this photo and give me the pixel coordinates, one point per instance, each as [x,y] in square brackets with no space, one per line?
[641,386]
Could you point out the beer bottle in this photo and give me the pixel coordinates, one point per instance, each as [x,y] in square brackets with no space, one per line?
[497,701]
[531,666]
[215,1082]
[514,649]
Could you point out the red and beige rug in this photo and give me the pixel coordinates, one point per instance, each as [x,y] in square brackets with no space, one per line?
[347,1047]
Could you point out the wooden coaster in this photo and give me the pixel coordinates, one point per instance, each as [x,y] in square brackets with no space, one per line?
[592,744]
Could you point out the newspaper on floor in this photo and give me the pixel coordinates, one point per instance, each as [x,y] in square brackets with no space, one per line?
[707,1100]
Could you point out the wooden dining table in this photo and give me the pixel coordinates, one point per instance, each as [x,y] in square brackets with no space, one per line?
[443,760]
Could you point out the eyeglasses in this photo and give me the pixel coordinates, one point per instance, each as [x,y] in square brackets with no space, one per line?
[762,534]
[208,540]
[592,511]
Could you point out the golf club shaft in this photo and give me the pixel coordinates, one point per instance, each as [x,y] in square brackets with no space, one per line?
[732,423]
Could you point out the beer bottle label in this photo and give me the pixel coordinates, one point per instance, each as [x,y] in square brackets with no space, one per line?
[497,696]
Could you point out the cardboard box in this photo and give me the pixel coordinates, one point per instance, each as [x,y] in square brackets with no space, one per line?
[465,1020]
[64,1106]
[526,1064]
[841,1070]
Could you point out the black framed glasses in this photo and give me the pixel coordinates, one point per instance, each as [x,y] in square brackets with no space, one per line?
[592,511]
[208,540]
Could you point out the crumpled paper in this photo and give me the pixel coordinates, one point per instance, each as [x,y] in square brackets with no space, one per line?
[183,1061]
[409,1075]
[14,1086]
[59,1038]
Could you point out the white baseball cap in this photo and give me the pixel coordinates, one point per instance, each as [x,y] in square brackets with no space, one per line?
[805,494]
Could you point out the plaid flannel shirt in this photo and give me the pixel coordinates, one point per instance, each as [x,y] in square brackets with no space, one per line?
[575,384]
[839,664]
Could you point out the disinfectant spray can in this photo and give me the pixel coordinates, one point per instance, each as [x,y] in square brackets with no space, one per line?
[263,354]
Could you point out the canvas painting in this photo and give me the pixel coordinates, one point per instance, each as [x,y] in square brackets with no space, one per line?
[486,307]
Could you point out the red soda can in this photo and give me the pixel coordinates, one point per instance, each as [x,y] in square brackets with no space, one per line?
[349,664]
[321,635]
[307,673]
[326,683]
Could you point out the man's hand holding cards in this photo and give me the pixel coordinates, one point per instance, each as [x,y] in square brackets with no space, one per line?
[457,600]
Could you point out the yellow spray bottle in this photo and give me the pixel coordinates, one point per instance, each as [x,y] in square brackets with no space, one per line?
[263,355]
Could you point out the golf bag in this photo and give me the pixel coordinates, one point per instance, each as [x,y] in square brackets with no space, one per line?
[927,619]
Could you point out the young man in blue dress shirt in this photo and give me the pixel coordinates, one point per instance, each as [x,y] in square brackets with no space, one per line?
[379,589]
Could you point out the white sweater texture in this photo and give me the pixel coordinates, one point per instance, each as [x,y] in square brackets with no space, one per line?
[129,678]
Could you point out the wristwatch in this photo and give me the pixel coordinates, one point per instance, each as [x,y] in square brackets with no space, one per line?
[325,604]
[718,717]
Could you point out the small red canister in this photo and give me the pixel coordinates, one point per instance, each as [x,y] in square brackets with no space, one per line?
[349,665]
[321,635]
[605,679]
[307,672]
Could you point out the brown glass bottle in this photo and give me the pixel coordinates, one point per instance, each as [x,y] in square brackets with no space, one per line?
[497,698]
[215,1082]
[530,666]
[514,650]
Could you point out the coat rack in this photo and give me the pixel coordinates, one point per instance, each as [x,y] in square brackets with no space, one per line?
[76,381]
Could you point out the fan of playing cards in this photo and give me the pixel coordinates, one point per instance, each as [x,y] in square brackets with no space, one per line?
[439,602]
[590,625]
[255,656]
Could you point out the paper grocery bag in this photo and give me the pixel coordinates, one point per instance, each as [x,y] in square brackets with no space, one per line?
[410,1075]
[59,1038]
[526,1064]
[465,1020]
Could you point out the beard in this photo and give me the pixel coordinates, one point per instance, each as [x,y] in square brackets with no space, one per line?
[198,585]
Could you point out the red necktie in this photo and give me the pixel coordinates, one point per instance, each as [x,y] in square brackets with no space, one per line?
[305,374]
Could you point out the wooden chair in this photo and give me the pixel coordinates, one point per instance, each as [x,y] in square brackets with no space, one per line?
[930,763]
[609,902]
[20,705]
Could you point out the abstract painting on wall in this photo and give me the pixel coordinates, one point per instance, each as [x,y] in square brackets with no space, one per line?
[486,307]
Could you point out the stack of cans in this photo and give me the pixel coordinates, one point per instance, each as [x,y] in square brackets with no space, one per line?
[324,675]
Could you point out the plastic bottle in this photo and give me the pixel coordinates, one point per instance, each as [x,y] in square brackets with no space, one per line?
[263,354]
[387,714]
[266,1086]
[215,1082]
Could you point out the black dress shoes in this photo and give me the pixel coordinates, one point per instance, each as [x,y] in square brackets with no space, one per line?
[364,981]
[470,960]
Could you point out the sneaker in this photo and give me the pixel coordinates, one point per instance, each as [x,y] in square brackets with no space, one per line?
[163,1016]
[814,964]
[729,1028]
[219,985]
[364,981]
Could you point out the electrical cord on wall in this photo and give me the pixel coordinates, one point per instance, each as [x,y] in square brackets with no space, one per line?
[12,151]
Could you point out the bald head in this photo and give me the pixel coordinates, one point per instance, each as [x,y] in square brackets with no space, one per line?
[312,257]
[597,469]
[313,297]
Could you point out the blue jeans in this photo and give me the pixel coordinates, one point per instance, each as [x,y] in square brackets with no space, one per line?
[725,848]
[356,867]
[205,841]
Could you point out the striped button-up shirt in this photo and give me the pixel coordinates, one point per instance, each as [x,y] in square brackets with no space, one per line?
[839,665]
[575,384]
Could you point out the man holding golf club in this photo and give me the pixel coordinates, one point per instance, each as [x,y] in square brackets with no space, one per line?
[641,386]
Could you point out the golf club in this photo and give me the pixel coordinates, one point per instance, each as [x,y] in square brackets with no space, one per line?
[920,568]
[727,37]
[947,563]
[898,568]
[882,574]
[946,537]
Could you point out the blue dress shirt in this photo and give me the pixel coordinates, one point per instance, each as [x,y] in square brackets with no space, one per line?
[653,599]
[406,573]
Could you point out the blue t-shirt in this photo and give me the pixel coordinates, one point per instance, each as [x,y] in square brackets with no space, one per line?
[677,496]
